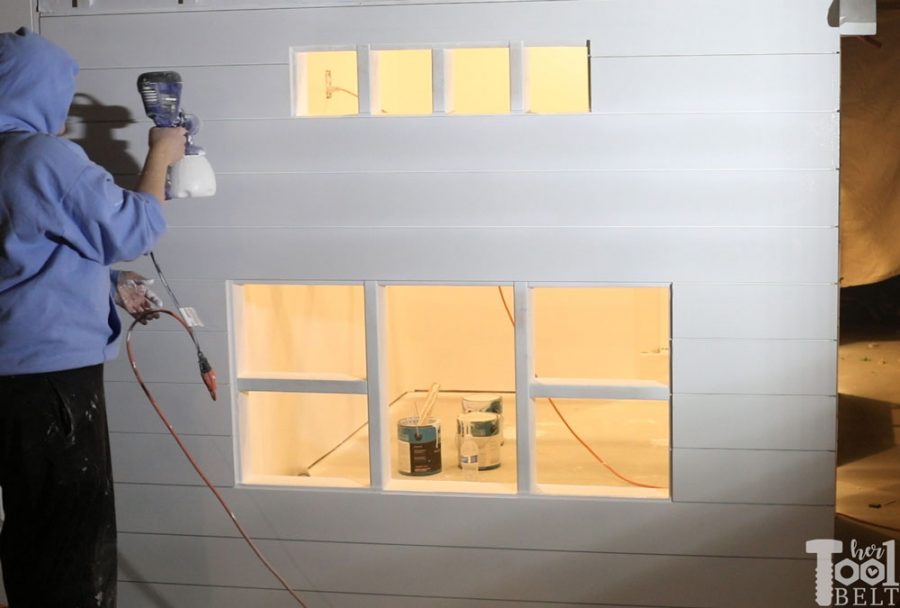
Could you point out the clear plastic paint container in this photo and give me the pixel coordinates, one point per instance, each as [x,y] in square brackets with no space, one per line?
[484,428]
[483,402]
[419,446]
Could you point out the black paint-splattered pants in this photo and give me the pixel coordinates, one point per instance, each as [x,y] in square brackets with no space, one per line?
[58,541]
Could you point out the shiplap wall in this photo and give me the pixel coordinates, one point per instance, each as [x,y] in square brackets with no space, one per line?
[709,161]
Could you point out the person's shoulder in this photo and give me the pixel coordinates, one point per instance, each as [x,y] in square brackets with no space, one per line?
[52,148]
[53,165]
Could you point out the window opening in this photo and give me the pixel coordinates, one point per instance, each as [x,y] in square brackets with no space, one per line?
[628,439]
[401,82]
[313,330]
[557,80]
[602,332]
[291,438]
[579,473]
[325,83]
[448,368]
[478,80]
[451,366]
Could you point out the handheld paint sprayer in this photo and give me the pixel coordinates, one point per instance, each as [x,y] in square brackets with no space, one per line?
[193,175]
[190,177]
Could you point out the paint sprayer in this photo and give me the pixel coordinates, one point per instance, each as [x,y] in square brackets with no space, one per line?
[193,175]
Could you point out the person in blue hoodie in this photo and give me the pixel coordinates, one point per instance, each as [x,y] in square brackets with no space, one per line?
[63,223]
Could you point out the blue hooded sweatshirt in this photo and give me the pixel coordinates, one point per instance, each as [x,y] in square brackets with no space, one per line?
[63,221]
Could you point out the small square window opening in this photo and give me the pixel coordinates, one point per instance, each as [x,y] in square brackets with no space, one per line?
[325,83]
[401,82]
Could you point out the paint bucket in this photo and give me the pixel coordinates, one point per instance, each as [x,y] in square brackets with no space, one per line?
[485,402]
[485,430]
[419,446]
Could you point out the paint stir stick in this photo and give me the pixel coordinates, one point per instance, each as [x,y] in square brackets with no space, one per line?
[429,403]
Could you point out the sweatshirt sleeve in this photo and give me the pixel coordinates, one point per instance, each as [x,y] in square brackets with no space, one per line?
[107,223]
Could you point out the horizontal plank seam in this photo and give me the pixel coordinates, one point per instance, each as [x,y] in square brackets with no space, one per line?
[463,117]
[393,595]
[792,450]
[541,228]
[770,504]
[520,171]
[544,225]
[315,4]
[436,44]
[676,285]
[700,55]
[829,395]
[366,490]
[261,64]
[476,547]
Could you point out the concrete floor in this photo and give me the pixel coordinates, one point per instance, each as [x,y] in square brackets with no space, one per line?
[868,473]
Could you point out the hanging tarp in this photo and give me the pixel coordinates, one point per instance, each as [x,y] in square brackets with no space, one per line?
[870,155]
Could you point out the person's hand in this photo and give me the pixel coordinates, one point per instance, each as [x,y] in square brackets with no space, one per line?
[133,295]
[167,143]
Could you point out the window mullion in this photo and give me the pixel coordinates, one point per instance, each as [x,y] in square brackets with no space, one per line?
[525,436]
[379,431]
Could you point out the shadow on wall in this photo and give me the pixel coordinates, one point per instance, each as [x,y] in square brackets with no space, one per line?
[91,125]
[865,427]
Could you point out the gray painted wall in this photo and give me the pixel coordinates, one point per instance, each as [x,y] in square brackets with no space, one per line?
[15,14]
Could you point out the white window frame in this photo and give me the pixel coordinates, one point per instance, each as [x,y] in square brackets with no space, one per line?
[374,385]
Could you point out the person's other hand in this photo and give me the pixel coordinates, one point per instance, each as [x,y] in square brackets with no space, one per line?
[133,295]
[168,143]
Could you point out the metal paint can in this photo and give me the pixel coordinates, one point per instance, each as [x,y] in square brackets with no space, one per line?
[485,430]
[485,402]
[419,446]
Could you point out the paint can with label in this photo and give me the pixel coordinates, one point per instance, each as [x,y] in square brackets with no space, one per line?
[485,402]
[419,446]
[484,428]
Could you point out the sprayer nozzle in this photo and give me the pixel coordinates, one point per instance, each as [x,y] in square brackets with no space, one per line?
[207,374]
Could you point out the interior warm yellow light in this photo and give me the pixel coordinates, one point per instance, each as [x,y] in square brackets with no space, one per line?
[478,81]
[605,332]
[325,83]
[461,337]
[306,329]
[631,437]
[401,82]
[556,80]
[305,435]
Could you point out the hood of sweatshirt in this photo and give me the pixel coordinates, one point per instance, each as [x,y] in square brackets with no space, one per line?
[37,83]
